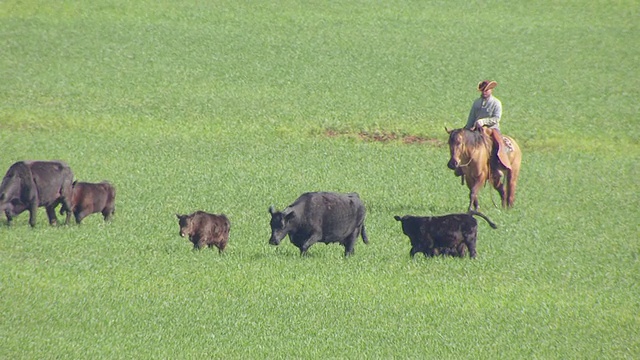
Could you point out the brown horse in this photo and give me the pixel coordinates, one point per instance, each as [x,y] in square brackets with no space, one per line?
[474,153]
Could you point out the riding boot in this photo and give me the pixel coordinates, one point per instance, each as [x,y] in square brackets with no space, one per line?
[502,148]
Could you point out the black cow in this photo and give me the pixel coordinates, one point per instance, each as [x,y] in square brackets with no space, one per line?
[203,229]
[89,198]
[320,217]
[446,235]
[28,185]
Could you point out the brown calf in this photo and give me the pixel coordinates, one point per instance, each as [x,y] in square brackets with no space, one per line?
[89,198]
[205,229]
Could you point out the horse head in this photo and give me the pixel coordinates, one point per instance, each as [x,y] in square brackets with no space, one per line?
[456,147]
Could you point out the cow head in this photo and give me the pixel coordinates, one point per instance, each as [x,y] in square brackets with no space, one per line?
[10,199]
[412,226]
[280,224]
[402,220]
[185,224]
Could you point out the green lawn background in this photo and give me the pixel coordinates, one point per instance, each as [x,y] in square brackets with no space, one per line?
[225,107]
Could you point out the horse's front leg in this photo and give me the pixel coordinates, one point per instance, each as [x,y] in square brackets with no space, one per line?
[473,201]
[474,189]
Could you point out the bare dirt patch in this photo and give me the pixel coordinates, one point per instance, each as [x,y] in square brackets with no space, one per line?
[384,137]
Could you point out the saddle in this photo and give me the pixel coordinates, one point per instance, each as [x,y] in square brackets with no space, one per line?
[502,147]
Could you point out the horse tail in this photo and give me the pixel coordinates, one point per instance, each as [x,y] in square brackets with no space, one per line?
[472,212]
[512,176]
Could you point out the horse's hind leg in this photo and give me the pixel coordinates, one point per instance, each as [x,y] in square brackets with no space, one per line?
[496,181]
[512,179]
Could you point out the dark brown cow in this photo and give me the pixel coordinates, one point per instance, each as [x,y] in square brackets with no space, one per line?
[28,185]
[446,235]
[205,229]
[89,198]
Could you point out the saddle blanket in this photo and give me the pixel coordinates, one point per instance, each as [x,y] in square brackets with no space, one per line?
[508,144]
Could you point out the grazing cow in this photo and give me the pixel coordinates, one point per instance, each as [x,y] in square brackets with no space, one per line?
[447,235]
[28,185]
[89,198]
[205,229]
[320,217]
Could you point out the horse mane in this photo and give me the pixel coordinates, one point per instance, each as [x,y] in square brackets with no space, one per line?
[473,139]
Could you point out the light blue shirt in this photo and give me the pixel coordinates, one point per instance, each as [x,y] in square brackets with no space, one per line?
[487,111]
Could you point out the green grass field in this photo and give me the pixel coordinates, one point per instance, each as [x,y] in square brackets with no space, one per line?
[233,106]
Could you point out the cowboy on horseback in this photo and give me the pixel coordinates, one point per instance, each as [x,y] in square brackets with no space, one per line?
[481,154]
[485,113]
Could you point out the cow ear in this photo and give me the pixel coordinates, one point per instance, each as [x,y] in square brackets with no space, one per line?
[447,130]
[178,216]
[272,210]
[290,215]
[398,218]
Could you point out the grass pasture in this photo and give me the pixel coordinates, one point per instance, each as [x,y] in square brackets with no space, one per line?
[231,106]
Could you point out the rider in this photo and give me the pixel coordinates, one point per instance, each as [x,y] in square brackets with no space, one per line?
[486,111]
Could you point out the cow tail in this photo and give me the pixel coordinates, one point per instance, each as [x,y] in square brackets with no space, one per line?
[494,226]
[363,233]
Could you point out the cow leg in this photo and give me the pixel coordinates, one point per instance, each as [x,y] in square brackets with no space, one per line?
[314,238]
[66,220]
[33,209]
[83,213]
[76,215]
[350,242]
[80,214]
[471,245]
[66,206]
[348,247]
[348,250]
[9,217]
[460,250]
[304,248]
[107,214]
[51,213]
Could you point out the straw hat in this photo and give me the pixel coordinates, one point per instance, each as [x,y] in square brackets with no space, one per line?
[486,85]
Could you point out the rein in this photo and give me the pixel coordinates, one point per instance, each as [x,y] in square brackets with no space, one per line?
[467,164]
